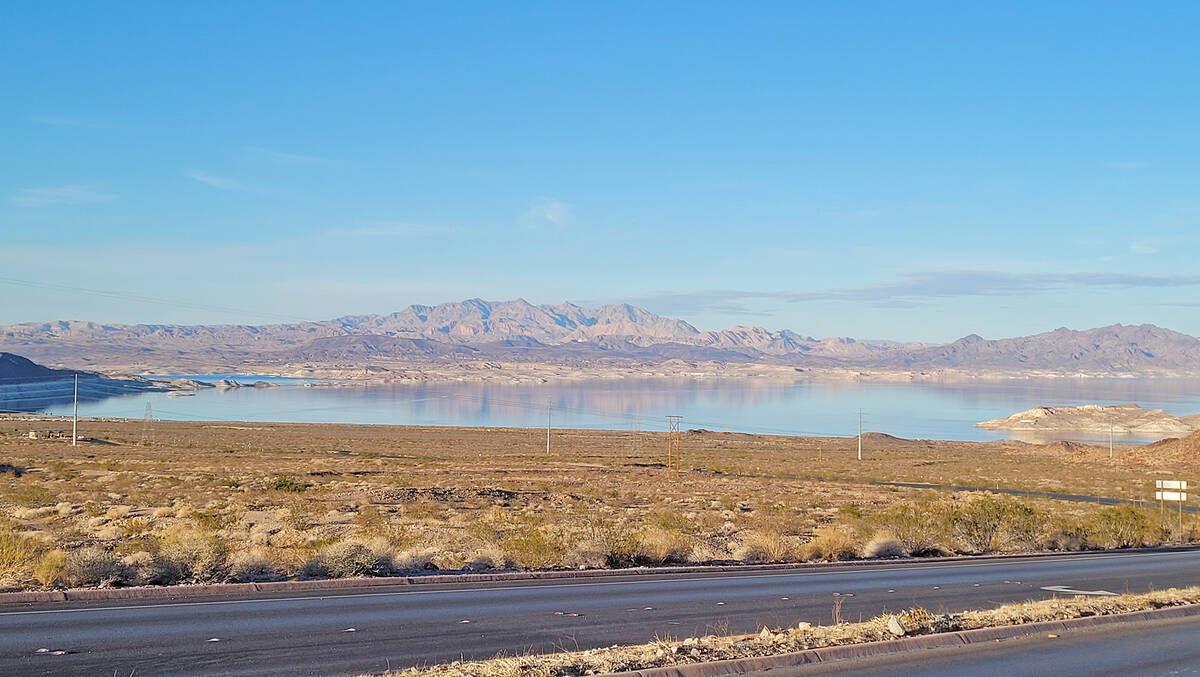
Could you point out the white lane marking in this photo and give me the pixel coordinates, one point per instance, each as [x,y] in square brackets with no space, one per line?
[549,585]
[1071,591]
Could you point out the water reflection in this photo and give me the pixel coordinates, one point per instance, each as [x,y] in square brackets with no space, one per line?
[920,410]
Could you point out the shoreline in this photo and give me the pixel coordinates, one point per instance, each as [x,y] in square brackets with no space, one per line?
[497,371]
[869,436]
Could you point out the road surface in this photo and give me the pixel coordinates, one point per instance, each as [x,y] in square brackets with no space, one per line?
[1169,647]
[368,630]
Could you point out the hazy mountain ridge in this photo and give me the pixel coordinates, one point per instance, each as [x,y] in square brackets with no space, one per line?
[572,335]
[1115,348]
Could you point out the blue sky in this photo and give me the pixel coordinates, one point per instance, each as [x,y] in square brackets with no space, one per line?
[915,171]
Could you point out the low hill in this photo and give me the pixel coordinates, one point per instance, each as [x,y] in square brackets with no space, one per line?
[14,368]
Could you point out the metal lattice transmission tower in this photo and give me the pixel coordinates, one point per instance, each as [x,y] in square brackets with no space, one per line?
[673,454]
[148,425]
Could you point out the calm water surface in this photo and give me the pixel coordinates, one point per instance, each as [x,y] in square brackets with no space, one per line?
[915,410]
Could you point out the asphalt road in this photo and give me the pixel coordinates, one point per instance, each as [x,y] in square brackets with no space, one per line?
[366,631]
[1156,648]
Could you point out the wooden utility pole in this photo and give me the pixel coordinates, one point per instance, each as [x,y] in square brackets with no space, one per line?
[75,416]
[860,434]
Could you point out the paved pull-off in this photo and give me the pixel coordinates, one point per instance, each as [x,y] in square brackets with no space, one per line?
[368,631]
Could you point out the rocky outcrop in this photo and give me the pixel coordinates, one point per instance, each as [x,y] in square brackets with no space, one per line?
[1125,419]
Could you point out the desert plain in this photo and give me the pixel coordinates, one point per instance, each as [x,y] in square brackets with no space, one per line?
[165,503]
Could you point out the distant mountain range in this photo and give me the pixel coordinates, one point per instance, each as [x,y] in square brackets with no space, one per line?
[570,335]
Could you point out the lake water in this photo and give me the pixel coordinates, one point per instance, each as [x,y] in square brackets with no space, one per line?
[915,410]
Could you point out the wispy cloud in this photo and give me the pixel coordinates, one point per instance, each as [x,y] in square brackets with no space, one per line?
[548,211]
[945,284]
[284,158]
[725,301]
[913,289]
[1143,247]
[72,122]
[1126,165]
[391,229]
[61,195]
[218,182]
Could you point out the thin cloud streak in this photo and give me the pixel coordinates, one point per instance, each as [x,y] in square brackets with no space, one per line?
[218,182]
[61,195]
[398,229]
[72,122]
[285,158]
[914,289]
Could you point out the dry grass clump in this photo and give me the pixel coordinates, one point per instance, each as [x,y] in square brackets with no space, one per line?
[972,523]
[883,545]
[191,556]
[768,642]
[989,523]
[490,556]
[534,546]
[614,539]
[922,526]
[347,560]
[831,544]
[51,568]
[253,566]
[764,546]
[1124,526]
[94,567]
[19,555]
[418,559]
[657,545]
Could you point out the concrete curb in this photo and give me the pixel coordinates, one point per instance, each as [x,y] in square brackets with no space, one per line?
[183,592]
[835,653]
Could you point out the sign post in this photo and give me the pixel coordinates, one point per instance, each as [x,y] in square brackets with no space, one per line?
[1171,490]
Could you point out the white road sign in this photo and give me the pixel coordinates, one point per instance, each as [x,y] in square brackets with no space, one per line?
[1170,496]
[1177,485]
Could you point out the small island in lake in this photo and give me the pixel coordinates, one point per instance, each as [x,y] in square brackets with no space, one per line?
[1122,419]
